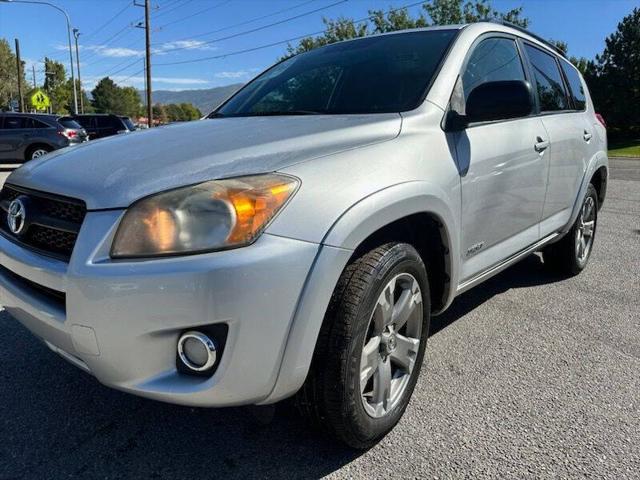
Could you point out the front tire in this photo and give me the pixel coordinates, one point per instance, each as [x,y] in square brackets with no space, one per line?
[370,348]
[570,255]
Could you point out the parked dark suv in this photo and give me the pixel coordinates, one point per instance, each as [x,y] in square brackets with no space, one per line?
[24,136]
[99,125]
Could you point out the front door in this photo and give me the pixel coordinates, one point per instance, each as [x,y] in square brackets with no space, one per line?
[503,166]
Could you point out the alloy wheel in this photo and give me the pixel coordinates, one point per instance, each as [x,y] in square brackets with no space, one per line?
[38,153]
[391,345]
[586,229]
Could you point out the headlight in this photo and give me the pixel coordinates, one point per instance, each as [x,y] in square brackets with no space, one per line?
[209,216]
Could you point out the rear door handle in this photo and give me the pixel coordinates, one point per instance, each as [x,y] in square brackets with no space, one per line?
[541,145]
[586,136]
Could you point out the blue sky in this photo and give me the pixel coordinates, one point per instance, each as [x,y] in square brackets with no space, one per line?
[186,30]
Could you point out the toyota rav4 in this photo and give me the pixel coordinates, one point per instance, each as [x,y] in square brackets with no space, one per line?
[298,240]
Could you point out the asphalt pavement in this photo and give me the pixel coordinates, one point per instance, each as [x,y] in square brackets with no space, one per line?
[526,376]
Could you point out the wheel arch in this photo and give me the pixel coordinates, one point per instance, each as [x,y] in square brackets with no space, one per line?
[30,148]
[390,214]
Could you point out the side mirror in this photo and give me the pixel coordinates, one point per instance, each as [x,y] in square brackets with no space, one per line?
[492,101]
[499,101]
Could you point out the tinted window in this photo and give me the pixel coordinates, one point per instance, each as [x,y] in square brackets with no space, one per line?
[86,122]
[105,122]
[387,73]
[127,121]
[575,85]
[493,60]
[68,122]
[11,123]
[33,123]
[548,80]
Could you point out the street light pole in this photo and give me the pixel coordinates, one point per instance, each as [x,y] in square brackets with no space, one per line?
[76,34]
[66,16]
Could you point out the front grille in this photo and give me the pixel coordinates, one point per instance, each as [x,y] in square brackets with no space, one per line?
[52,222]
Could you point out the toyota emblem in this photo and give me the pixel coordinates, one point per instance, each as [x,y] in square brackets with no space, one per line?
[16,216]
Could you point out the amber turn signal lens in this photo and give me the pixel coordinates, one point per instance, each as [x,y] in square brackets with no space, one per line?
[254,208]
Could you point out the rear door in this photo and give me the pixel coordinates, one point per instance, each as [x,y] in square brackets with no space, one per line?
[504,177]
[565,129]
[13,137]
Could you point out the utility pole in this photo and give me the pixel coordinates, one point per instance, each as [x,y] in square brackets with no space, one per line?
[147,28]
[33,70]
[76,34]
[19,65]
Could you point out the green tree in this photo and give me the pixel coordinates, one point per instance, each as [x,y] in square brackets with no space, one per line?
[9,75]
[57,87]
[614,78]
[174,112]
[159,113]
[191,112]
[110,98]
[435,12]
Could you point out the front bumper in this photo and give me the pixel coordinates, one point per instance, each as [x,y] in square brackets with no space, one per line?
[120,320]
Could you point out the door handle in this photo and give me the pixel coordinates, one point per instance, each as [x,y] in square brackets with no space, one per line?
[541,145]
[586,136]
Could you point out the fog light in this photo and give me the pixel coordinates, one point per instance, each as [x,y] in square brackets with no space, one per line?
[197,351]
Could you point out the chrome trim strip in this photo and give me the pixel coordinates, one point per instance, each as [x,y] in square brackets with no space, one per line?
[490,272]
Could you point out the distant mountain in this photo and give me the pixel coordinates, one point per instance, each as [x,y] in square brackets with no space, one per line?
[205,99]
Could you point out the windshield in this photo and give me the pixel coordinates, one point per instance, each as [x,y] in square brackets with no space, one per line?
[127,121]
[68,122]
[386,73]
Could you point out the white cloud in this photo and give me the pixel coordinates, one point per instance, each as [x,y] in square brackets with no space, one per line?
[184,45]
[232,74]
[138,81]
[162,49]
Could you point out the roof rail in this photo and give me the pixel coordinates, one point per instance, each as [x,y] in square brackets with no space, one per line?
[531,34]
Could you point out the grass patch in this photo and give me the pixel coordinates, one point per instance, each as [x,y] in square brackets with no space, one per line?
[629,148]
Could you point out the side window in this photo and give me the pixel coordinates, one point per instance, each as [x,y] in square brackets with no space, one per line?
[104,122]
[549,84]
[575,85]
[33,123]
[12,123]
[493,60]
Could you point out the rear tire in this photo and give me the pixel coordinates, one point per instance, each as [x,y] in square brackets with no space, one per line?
[370,350]
[570,255]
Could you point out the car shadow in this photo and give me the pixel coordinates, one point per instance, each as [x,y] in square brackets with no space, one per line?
[59,422]
[529,272]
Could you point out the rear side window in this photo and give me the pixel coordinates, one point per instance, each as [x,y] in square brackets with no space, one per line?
[68,122]
[576,86]
[104,122]
[12,123]
[33,123]
[549,84]
[493,60]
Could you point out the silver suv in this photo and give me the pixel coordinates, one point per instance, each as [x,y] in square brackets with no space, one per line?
[298,241]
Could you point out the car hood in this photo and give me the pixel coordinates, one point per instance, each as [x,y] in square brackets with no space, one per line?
[116,171]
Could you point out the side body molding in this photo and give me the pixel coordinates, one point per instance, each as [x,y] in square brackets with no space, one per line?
[349,230]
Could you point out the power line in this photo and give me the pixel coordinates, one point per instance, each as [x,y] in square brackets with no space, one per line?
[246,22]
[260,47]
[108,22]
[253,30]
[194,14]
[161,13]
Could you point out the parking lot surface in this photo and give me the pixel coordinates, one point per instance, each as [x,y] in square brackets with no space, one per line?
[526,376]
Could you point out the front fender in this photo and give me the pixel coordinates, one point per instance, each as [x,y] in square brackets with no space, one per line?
[349,230]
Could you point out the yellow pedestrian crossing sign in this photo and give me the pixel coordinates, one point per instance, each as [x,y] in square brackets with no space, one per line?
[39,100]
